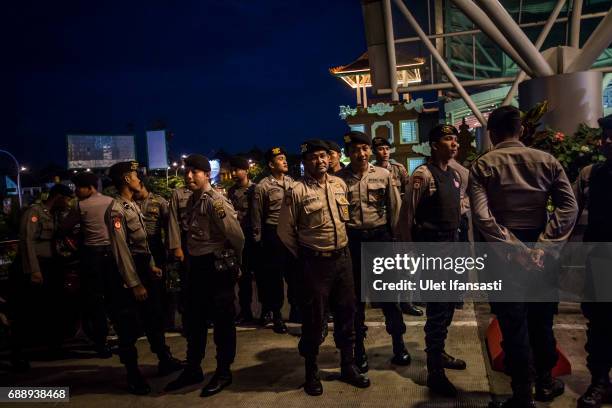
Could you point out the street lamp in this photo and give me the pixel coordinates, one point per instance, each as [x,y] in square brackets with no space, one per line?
[175,165]
[19,170]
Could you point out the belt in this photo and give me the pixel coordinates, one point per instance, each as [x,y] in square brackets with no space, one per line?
[323,254]
[369,232]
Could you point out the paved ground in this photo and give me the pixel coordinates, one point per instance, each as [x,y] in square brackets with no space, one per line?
[269,372]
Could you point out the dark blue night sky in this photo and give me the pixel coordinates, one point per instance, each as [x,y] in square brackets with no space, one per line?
[225,74]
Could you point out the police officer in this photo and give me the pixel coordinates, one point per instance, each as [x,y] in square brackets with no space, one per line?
[431,213]
[214,246]
[335,154]
[592,190]
[382,151]
[135,297]
[241,196]
[312,226]
[509,188]
[156,213]
[43,275]
[97,262]
[267,200]
[374,210]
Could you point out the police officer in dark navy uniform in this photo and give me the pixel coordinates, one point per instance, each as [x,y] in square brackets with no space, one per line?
[431,213]
[311,225]
[134,296]
[241,196]
[593,192]
[509,189]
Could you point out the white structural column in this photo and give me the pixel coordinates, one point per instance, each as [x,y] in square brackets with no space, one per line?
[390,37]
[482,20]
[575,24]
[358,88]
[599,40]
[517,37]
[539,42]
[447,71]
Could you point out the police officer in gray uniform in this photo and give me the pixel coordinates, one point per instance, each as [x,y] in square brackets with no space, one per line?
[241,196]
[97,262]
[214,247]
[40,284]
[274,267]
[382,150]
[135,297]
[374,210]
[509,188]
[312,227]
[156,214]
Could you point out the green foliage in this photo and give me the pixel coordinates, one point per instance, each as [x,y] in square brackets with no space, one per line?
[158,185]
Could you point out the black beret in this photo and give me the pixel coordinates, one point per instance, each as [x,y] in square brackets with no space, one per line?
[117,170]
[273,152]
[197,161]
[356,136]
[333,146]
[381,141]
[85,179]
[605,122]
[439,131]
[239,163]
[313,145]
[60,189]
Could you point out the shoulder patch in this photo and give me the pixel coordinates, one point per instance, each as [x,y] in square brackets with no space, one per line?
[117,223]
[219,210]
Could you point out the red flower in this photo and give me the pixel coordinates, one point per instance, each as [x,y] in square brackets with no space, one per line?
[559,137]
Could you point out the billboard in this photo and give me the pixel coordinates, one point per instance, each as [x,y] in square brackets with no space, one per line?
[99,151]
[156,149]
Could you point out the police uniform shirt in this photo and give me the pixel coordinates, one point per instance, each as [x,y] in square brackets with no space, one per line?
[155,212]
[212,223]
[241,198]
[36,231]
[596,217]
[464,174]
[422,184]
[399,174]
[374,200]
[128,237]
[509,188]
[267,199]
[313,215]
[177,222]
[91,212]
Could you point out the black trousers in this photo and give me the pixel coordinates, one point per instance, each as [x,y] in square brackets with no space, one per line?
[245,283]
[210,296]
[326,284]
[527,328]
[97,266]
[276,267]
[132,317]
[439,314]
[394,320]
[599,339]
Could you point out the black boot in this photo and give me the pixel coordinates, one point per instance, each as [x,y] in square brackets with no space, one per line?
[452,363]
[189,376]
[410,309]
[279,326]
[438,383]
[168,364]
[349,372]
[521,397]
[220,380]
[137,385]
[312,383]
[361,358]
[598,393]
[548,388]
[401,356]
